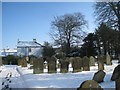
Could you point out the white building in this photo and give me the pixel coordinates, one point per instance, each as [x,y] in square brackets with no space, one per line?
[27,48]
[5,52]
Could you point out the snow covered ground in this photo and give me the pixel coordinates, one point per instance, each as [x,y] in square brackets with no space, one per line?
[24,77]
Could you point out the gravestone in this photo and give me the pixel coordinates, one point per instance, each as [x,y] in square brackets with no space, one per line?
[80,63]
[85,63]
[117,84]
[38,65]
[89,85]
[108,60]
[52,65]
[92,61]
[24,62]
[100,63]
[99,76]
[64,65]
[77,64]
[116,73]
[35,66]
[0,60]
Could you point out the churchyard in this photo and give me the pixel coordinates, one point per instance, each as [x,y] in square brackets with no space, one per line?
[83,50]
[69,72]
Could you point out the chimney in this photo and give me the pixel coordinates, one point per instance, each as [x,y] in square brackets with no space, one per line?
[34,40]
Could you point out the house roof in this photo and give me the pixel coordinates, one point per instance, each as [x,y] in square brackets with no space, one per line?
[33,43]
[8,50]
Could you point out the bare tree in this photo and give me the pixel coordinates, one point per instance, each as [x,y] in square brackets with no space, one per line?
[67,30]
[108,12]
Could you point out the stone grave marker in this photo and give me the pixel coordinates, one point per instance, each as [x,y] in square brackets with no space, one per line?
[38,65]
[24,62]
[117,84]
[108,60]
[64,65]
[85,63]
[100,63]
[99,76]
[89,85]
[116,73]
[92,61]
[52,64]
[0,60]
[77,64]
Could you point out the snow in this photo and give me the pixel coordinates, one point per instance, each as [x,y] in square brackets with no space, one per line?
[24,77]
[28,43]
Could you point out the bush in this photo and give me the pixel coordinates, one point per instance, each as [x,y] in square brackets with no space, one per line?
[4,61]
[10,59]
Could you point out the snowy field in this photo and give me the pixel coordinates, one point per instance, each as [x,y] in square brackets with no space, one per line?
[24,77]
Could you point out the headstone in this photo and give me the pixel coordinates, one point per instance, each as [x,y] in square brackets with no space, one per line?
[24,62]
[108,60]
[116,73]
[64,65]
[35,66]
[92,61]
[89,85]
[117,84]
[85,62]
[0,60]
[38,65]
[77,64]
[52,65]
[99,76]
[100,63]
